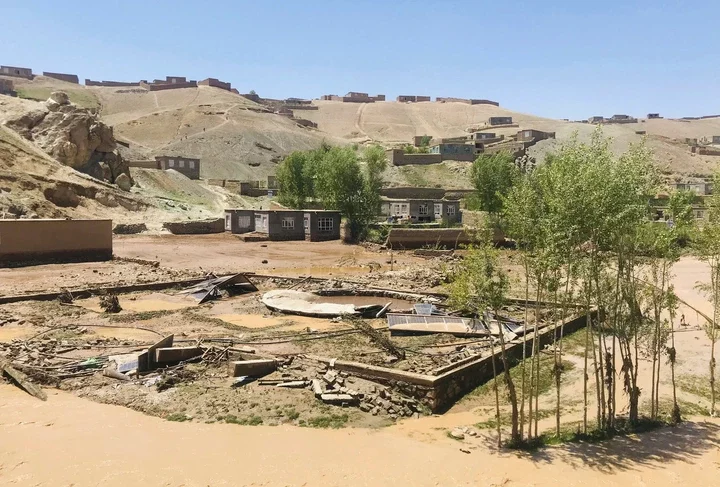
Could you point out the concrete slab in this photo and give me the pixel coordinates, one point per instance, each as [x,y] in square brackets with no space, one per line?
[252,368]
[176,354]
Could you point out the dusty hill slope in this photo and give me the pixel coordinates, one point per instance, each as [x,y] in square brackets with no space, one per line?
[233,136]
[237,140]
[393,123]
[33,184]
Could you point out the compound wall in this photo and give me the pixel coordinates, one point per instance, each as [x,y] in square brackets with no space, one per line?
[41,241]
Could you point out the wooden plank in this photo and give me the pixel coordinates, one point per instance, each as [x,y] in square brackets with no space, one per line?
[22,380]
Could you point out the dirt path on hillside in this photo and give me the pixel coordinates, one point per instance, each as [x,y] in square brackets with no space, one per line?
[70,441]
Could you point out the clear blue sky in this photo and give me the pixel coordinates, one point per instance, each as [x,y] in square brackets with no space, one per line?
[563,59]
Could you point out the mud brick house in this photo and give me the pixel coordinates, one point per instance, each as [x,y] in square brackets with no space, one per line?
[596,119]
[716,139]
[653,115]
[421,210]
[215,83]
[533,136]
[312,225]
[500,121]
[69,78]
[7,87]
[454,152]
[16,71]
[188,166]
[239,220]
[412,98]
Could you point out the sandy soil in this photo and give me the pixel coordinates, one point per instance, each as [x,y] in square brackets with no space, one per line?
[70,441]
[227,253]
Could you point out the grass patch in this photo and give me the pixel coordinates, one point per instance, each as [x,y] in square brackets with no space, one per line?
[79,97]
[178,417]
[695,384]
[573,434]
[545,384]
[334,421]
[248,421]
[141,316]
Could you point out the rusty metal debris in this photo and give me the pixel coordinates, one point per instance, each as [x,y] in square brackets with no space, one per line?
[213,287]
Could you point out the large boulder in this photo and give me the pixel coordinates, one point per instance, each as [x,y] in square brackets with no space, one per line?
[73,136]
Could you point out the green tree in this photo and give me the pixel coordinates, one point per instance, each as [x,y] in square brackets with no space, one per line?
[481,288]
[295,179]
[493,175]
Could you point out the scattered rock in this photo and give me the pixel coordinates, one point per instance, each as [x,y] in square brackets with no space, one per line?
[458,434]
[124,182]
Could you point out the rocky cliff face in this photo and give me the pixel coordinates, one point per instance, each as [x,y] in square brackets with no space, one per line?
[74,137]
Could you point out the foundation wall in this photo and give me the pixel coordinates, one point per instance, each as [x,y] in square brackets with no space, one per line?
[196,227]
[38,241]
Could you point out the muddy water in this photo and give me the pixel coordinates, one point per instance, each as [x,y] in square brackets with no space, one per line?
[9,333]
[97,449]
[149,302]
[288,322]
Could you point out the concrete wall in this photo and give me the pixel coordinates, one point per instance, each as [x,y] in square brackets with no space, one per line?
[322,225]
[196,227]
[70,78]
[239,221]
[16,71]
[280,224]
[30,241]
[188,166]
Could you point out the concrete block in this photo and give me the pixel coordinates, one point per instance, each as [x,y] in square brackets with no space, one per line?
[176,354]
[253,368]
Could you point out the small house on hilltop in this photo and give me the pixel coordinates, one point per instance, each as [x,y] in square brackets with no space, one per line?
[188,166]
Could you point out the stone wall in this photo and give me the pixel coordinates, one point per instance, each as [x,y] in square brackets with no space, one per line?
[215,83]
[196,227]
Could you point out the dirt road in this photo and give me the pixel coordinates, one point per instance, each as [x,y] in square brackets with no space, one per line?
[70,441]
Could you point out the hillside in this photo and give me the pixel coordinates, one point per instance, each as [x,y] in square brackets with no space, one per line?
[239,139]
[33,184]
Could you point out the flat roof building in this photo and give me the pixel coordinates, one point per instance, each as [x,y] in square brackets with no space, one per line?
[312,225]
[188,166]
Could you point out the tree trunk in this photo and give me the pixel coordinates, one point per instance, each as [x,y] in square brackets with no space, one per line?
[497,394]
[515,434]
[524,349]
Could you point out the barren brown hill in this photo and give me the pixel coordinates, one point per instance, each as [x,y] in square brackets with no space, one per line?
[239,139]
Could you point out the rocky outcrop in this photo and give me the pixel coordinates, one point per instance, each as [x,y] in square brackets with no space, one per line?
[75,137]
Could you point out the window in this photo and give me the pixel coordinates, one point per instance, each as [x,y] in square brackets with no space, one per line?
[404,209]
[227,222]
[396,209]
[244,221]
[171,163]
[450,210]
[528,133]
[181,163]
[438,209]
[423,209]
[288,222]
[192,164]
[306,223]
[698,214]
[325,224]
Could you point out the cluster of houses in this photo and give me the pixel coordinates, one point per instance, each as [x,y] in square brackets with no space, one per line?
[468,147]
[360,97]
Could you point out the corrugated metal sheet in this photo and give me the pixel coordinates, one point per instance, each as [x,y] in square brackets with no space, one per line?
[409,323]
